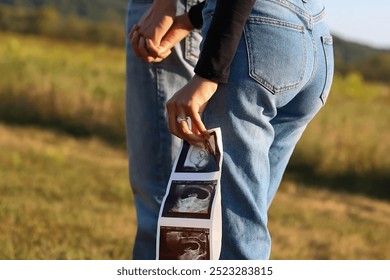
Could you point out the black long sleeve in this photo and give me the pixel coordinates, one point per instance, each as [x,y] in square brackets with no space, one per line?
[195,15]
[222,39]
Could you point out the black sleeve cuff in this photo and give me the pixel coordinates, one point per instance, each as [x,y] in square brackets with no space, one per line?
[195,15]
[222,39]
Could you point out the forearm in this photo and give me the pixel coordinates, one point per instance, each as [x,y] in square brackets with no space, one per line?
[165,6]
[223,38]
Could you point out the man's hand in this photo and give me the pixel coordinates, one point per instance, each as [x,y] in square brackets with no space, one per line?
[153,26]
[180,28]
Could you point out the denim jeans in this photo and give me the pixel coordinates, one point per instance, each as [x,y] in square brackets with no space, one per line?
[280,78]
[150,146]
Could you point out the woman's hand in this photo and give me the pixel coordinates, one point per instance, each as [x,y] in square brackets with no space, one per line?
[153,25]
[189,102]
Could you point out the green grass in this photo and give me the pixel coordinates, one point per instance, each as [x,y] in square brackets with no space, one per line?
[63,198]
[76,87]
[307,223]
[64,191]
[66,198]
[346,146]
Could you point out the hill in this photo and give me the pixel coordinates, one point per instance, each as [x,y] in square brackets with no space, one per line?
[372,63]
[94,10]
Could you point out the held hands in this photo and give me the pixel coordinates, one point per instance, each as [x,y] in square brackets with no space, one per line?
[152,39]
[180,28]
[153,25]
[189,102]
[158,31]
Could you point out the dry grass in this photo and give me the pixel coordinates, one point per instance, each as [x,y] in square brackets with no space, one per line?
[319,224]
[67,197]
[76,87]
[62,198]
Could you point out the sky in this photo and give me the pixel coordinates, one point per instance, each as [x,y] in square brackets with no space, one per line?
[362,21]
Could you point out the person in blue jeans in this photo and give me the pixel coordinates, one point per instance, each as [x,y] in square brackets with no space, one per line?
[265,70]
[151,148]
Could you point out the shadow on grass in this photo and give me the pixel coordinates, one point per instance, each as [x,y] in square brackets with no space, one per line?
[106,134]
[375,185]
[90,119]
[85,120]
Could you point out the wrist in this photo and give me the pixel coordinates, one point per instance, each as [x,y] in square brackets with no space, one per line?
[209,84]
[169,6]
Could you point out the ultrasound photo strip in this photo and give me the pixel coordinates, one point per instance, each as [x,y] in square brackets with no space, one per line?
[190,218]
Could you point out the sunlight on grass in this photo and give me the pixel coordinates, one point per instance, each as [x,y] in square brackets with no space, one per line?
[63,198]
[318,224]
[63,169]
[66,198]
[77,87]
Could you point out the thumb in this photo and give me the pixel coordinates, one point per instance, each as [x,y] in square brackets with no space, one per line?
[159,51]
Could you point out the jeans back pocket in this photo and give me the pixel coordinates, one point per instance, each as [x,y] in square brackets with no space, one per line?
[276,52]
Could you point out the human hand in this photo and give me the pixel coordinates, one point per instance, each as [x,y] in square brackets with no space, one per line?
[153,25]
[180,28]
[190,101]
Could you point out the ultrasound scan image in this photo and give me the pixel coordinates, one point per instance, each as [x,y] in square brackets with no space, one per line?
[190,199]
[184,244]
[202,157]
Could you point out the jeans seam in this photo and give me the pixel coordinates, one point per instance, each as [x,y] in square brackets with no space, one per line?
[326,40]
[315,59]
[276,22]
[293,7]
[310,20]
[189,47]
[160,124]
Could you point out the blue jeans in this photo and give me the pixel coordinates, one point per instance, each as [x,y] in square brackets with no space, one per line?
[280,78]
[151,147]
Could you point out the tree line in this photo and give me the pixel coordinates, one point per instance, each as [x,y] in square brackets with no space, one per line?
[47,21]
[372,64]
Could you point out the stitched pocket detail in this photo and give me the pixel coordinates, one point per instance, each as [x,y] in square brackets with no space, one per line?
[270,64]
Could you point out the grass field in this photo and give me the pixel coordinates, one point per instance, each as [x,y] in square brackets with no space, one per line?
[62,197]
[72,86]
[66,198]
[64,191]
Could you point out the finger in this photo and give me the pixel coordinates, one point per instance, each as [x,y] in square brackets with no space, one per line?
[172,116]
[165,55]
[165,49]
[142,49]
[197,124]
[135,27]
[134,43]
[158,59]
[180,129]
[178,124]
[159,51]
[185,130]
